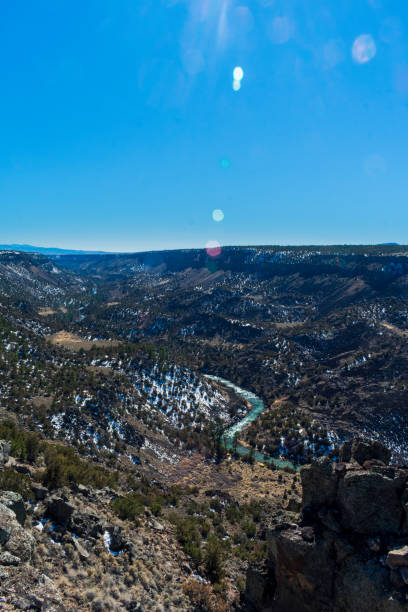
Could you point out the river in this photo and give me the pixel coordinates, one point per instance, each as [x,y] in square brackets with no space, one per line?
[257,407]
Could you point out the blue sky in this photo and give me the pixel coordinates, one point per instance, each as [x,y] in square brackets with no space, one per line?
[117,117]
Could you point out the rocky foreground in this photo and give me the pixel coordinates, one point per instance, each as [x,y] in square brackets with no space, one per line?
[348,551]
[67,552]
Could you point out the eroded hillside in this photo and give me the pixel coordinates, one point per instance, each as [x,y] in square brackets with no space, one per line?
[113,422]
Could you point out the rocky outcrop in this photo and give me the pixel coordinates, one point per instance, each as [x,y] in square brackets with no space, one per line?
[59,510]
[13,538]
[22,587]
[348,551]
[32,590]
[86,525]
[369,502]
[5,449]
[14,502]
[364,450]
[40,492]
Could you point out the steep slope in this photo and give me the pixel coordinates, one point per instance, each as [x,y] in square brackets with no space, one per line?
[35,279]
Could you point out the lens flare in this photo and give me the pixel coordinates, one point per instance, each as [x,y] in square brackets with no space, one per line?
[363,49]
[281,30]
[213,248]
[238,73]
[225,162]
[218,215]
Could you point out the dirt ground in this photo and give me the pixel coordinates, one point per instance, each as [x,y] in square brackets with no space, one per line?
[73,342]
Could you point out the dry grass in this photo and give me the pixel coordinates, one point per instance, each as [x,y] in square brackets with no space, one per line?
[45,312]
[41,400]
[73,342]
[395,330]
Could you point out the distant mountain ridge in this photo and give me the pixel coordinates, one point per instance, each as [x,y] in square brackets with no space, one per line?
[55,251]
[28,248]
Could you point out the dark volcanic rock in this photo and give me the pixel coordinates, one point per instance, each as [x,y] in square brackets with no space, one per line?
[369,503]
[303,572]
[86,525]
[349,552]
[319,483]
[15,502]
[59,510]
[40,492]
[397,557]
[261,586]
[116,539]
[363,450]
[5,449]
[13,537]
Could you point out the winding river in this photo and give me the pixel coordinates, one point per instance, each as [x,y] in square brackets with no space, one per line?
[257,407]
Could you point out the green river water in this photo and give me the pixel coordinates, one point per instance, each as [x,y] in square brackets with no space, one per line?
[257,407]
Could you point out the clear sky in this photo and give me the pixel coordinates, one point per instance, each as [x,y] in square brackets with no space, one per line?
[122,127]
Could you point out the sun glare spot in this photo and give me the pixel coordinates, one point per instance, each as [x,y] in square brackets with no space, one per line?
[213,248]
[363,49]
[218,215]
[238,73]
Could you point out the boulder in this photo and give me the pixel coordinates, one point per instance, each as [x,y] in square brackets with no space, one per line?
[15,502]
[34,591]
[22,469]
[116,540]
[303,572]
[86,525]
[363,585]
[260,588]
[59,510]
[40,492]
[404,574]
[132,551]
[333,559]
[83,490]
[398,557]
[84,554]
[13,537]
[319,483]
[7,558]
[364,450]
[369,503]
[5,450]
[156,525]
[345,451]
